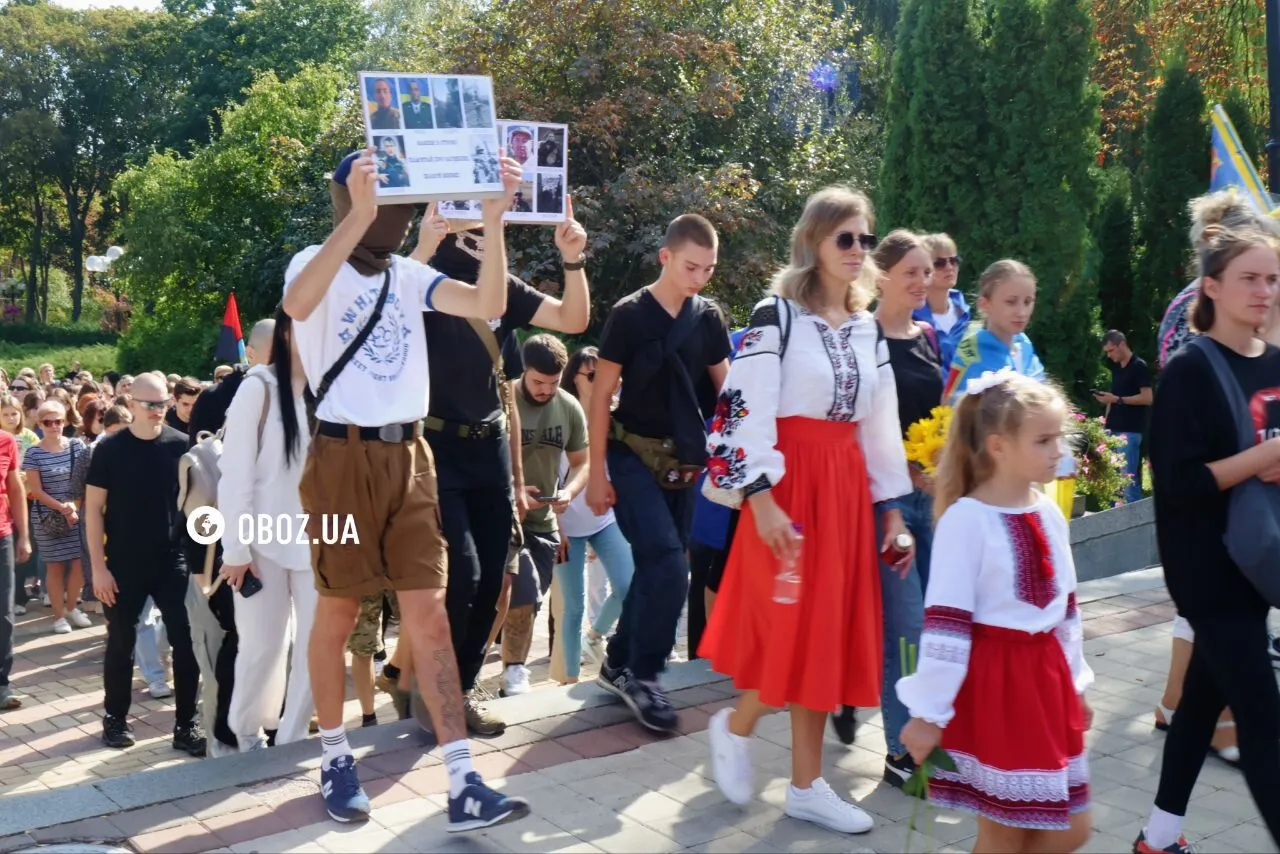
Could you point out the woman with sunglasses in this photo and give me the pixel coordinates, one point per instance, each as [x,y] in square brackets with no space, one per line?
[582,528]
[806,437]
[945,308]
[49,467]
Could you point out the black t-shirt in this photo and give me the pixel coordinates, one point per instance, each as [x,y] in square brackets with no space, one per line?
[172,420]
[1192,426]
[917,373]
[638,320]
[210,410]
[463,387]
[141,480]
[1127,381]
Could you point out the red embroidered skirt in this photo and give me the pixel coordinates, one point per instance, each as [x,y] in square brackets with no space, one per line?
[1017,736]
[825,650]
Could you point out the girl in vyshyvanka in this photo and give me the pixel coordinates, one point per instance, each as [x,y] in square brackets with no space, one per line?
[1001,678]
[807,432]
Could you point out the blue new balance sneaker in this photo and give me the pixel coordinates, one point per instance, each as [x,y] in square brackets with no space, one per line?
[344,799]
[478,806]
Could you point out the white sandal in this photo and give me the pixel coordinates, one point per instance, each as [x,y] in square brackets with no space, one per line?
[1229,755]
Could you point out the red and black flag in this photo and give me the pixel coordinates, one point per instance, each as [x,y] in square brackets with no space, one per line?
[230,339]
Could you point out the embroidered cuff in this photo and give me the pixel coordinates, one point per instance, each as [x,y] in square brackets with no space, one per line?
[760,484]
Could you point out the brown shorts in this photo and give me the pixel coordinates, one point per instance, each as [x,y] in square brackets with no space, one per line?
[384,493]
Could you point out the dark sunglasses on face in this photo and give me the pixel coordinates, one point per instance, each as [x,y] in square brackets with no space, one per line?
[939,263]
[152,405]
[845,241]
[590,375]
[52,422]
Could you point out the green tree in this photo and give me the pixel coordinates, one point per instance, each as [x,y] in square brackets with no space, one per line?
[1175,169]
[1113,236]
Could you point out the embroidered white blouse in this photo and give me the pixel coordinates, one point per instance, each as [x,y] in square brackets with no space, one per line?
[986,569]
[828,374]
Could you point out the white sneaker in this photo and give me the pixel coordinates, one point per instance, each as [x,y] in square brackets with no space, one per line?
[45,600]
[730,760]
[593,651]
[61,627]
[159,690]
[822,806]
[515,680]
[79,619]
[248,745]
[19,610]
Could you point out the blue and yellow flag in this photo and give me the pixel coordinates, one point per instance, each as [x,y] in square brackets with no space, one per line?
[1231,166]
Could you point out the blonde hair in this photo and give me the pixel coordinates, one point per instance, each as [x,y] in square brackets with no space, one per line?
[1228,208]
[939,244]
[895,246]
[52,405]
[998,273]
[1000,410]
[8,401]
[823,213]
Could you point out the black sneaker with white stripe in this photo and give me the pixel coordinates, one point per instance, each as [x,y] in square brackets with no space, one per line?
[898,769]
[646,699]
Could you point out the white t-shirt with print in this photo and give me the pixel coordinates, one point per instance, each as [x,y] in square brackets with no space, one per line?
[386,381]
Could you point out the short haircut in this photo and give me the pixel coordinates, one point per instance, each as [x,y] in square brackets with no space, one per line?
[690,228]
[1114,338]
[939,244]
[116,415]
[186,387]
[545,354]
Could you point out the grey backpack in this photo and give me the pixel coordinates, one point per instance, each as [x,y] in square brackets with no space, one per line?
[1253,507]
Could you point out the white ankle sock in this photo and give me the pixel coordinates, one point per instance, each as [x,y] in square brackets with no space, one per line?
[334,743]
[457,759]
[1163,829]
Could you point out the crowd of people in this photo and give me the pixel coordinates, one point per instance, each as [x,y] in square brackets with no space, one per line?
[752,477]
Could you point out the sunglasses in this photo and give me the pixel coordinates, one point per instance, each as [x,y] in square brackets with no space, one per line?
[846,239]
[52,422]
[939,263]
[590,375]
[152,405]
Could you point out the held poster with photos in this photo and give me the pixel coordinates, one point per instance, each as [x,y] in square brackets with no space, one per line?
[434,136]
[542,149]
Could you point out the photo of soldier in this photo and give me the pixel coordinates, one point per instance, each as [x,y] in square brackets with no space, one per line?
[415,103]
[382,115]
[478,101]
[550,148]
[391,162]
[550,194]
[447,102]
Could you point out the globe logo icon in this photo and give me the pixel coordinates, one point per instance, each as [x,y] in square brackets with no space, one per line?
[205,525]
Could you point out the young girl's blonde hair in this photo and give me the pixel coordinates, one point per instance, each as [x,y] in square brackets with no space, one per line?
[999,410]
[823,213]
[1000,272]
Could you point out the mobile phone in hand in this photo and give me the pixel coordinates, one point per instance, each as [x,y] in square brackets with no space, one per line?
[250,584]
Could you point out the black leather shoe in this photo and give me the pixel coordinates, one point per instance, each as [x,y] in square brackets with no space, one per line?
[191,739]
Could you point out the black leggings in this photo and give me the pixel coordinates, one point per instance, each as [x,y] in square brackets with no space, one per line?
[1229,666]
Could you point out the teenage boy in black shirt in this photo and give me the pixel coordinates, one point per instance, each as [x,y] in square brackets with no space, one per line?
[1127,405]
[660,341]
[470,439]
[131,499]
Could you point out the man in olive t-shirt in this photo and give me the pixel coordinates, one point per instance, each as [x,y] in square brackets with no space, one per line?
[552,425]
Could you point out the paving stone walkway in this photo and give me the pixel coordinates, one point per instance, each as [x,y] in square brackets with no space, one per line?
[598,782]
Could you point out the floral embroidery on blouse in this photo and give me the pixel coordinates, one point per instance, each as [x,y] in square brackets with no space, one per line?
[731,408]
[751,340]
[845,367]
[727,466]
[1033,559]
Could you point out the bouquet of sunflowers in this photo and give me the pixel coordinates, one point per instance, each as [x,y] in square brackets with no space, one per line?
[926,437]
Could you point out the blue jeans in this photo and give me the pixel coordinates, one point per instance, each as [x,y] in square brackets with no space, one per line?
[615,554]
[656,522]
[1133,466]
[146,649]
[903,603]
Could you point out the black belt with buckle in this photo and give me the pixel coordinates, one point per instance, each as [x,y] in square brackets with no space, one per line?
[484,430]
[390,433]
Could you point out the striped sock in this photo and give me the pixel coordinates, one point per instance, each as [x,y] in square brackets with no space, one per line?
[334,744]
[457,758]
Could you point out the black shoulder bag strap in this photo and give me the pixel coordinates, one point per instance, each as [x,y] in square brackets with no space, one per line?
[357,342]
[690,442]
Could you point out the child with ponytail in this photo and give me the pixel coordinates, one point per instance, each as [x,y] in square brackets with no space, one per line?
[1002,674]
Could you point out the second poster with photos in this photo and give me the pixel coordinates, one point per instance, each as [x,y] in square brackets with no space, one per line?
[542,150]
[435,137]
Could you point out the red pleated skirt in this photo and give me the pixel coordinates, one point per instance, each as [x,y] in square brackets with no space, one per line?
[825,650]
[1017,736]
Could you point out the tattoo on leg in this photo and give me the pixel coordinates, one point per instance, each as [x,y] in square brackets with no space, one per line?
[449,688]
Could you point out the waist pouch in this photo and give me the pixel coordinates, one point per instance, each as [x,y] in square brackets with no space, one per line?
[659,456]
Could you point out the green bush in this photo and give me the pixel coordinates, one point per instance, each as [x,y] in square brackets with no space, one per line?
[178,343]
[56,334]
[97,359]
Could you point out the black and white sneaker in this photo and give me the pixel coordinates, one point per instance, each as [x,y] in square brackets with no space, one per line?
[1273,647]
[614,680]
[650,705]
[898,769]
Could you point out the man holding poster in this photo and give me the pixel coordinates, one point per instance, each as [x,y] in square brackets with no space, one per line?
[356,304]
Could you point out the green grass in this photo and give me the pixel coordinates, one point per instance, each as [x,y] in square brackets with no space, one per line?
[97,359]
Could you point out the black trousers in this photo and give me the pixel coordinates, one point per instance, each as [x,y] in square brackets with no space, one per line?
[1229,666]
[706,570]
[165,581]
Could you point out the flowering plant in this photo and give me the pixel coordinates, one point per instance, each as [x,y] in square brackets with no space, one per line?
[917,785]
[926,437]
[1100,461]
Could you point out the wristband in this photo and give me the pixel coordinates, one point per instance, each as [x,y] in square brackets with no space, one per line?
[575,265]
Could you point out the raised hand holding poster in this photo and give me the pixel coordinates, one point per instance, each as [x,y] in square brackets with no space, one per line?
[542,150]
[435,136]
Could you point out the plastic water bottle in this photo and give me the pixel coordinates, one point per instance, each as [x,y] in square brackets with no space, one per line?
[786,584]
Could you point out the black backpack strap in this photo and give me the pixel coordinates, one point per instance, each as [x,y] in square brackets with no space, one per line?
[357,342]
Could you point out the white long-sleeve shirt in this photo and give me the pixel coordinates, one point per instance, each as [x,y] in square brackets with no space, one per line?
[986,569]
[256,480]
[827,374]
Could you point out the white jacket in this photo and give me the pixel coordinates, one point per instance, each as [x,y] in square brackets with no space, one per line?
[255,481]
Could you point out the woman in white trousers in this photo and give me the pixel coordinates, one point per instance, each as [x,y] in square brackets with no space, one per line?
[264,448]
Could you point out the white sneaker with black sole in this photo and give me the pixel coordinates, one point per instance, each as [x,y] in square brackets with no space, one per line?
[822,806]
[730,760]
